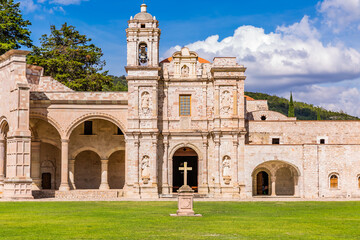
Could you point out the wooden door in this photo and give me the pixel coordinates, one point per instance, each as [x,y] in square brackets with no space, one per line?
[46,181]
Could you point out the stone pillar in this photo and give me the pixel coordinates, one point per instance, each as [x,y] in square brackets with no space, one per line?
[273,186]
[72,174]
[18,183]
[104,175]
[36,165]
[204,186]
[64,165]
[2,164]
[235,171]
[165,169]
[217,167]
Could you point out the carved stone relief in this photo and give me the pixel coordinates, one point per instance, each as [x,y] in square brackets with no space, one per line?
[226,102]
[145,103]
[145,169]
[226,167]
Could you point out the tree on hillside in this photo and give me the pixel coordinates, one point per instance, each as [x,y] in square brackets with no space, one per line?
[318,115]
[72,59]
[14,31]
[291,112]
[119,84]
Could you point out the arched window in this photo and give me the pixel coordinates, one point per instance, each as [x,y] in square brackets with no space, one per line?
[334,181]
[358,181]
[143,54]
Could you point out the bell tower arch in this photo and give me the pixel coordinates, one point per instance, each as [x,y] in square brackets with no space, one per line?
[143,36]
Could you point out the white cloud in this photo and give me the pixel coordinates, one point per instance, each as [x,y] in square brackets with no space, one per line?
[340,14]
[333,98]
[28,5]
[66,2]
[31,6]
[290,56]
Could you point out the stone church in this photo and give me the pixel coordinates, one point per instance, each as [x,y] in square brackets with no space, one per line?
[55,142]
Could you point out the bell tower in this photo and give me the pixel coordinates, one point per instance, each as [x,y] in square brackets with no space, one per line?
[143,37]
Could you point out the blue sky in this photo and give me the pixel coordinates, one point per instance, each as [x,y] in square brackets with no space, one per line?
[309,47]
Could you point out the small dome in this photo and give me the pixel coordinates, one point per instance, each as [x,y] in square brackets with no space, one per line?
[143,15]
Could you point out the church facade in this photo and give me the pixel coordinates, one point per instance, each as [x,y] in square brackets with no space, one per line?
[55,142]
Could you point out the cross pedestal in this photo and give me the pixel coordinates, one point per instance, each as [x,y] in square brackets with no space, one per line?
[185,198]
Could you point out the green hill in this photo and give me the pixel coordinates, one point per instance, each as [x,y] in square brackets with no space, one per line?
[303,111]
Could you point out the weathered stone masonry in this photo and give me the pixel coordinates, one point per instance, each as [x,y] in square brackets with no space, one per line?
[58,142]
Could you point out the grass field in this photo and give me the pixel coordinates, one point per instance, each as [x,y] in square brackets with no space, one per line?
[150,220]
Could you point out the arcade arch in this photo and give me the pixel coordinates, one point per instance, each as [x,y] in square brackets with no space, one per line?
[276,178]
[179,157]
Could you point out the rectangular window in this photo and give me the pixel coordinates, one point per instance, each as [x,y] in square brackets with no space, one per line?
[276,141]
[185,105]
[322,141]
[88,128]
[142,25]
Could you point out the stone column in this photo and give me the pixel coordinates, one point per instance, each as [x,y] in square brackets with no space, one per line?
[273,186]
[2,164]
[217,167]
[203,185]
[235,171]
[72,174]
[36,165]
[64,165]
[165,169]
[104,175]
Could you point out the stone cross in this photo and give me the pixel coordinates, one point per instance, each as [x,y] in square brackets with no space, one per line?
[185,169]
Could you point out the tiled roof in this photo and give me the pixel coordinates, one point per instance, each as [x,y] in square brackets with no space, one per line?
[249,98]
[201,60]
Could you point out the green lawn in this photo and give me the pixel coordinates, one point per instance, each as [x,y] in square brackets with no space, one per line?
[151,220]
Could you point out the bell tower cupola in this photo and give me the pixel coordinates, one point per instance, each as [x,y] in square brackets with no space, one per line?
[143,36]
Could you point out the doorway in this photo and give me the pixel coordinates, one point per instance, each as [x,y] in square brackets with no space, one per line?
[180,157]
[46,181]
[262,183]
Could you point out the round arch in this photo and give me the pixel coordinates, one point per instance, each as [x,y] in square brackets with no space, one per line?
[94,116]
[271,168]
[176,179]
[49,120]
[84,149]
[188,145]
[111,151]
[254,176]
[87,174]
[3,125]
[278,164]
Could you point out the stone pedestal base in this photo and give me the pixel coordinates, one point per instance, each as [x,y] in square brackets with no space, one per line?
[104,186]
[132,191]
[203,189]
[185,203]
[149,192]
[18,189]
[166,189]
[64,187]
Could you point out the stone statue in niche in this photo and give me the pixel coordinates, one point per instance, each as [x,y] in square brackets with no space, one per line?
[185,71]
[225,102]
[145,169]
[145,103]
[226,166]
